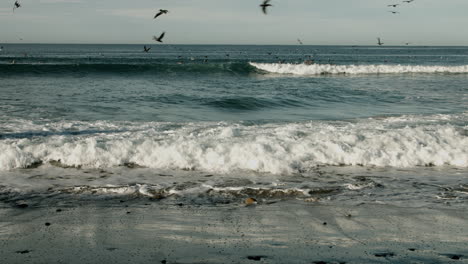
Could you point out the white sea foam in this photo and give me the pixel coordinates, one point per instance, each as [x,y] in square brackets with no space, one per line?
[316,69]
[225,148]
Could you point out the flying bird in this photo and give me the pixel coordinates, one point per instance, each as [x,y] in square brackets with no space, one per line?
[16,5]
[159,39]
[394,5]
[408,1]
[394,12]
[300,42]
[380,43]
[145,49]
[264,6]
[161,11]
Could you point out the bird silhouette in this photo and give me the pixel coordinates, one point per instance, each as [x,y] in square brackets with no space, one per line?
[161,11]
[159,39]
[408,1]
[300,42]
[145,49]
[16,5]
[264,6]
[380,43]
[394,5]
[394,12]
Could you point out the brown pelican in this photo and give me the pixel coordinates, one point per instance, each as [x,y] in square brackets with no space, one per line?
[159,39]
[161,11]
[379,42]
[264,6]
[16,5]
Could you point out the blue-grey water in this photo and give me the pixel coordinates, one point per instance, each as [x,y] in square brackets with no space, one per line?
[359,123]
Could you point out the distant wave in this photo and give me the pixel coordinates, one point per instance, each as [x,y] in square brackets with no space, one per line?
[125,68]
[317,69]
[226,148]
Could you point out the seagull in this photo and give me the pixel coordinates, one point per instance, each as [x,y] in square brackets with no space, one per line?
[145,49]
[408,1]
[395,5]
[394,12]
[159,39]
[379,42]
[161,11]
[264,6]
[300,42]
[16,5]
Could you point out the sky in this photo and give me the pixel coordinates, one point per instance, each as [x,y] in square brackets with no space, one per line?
[315,22]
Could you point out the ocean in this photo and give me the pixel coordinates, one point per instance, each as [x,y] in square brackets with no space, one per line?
[207,125]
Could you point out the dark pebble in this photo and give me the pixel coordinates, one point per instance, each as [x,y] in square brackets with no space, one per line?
[47,224]
[411,249]
[23,252]
[455,257]
[58,210]
[122,201]
[319,262]
[256,258]
[23,205]
[111,249]
[163,261]
[324,223]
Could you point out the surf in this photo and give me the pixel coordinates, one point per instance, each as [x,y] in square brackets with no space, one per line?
[324,69]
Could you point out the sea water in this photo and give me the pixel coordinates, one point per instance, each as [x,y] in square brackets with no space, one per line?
[219,123]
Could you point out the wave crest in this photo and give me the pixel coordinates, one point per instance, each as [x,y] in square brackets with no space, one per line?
[226,148]
[318,69]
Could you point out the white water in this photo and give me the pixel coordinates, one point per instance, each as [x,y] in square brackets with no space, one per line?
[225,148]
[316,69]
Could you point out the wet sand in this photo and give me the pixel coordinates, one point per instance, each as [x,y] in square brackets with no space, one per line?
[282,232]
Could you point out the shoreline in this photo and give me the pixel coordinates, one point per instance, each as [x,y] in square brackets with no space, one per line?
[284,232]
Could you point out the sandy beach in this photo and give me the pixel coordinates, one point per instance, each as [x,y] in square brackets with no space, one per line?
[121,231]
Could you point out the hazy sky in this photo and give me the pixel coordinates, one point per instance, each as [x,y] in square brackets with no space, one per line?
[316,22]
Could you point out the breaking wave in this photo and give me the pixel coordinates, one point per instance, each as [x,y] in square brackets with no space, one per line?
[227,148]
[317,69]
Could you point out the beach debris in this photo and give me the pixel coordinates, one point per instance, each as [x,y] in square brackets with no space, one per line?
[161,11]
[159,39]
[384,254]
[453,256]
[256,258]
[264,6]
[250,201]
